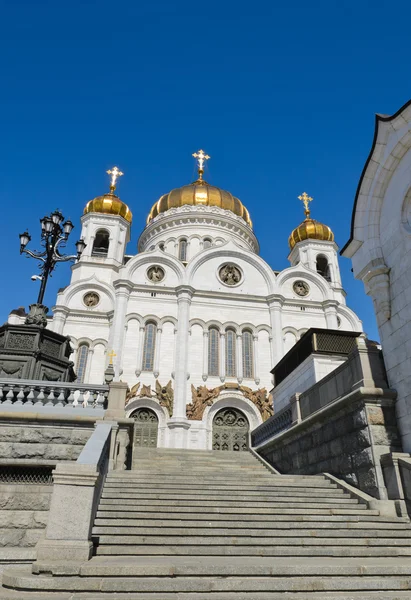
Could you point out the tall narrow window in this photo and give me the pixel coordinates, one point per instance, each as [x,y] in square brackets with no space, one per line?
[149,346]
[230,353]
[82,355]
[182,250]
[248,359]
[213,351]
[101,243]
[323,268]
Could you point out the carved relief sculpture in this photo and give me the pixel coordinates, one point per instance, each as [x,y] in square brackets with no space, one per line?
[91,299]
[165,396]
[230,274]
[155,274]
[260,398]
[301,288]
[201,398]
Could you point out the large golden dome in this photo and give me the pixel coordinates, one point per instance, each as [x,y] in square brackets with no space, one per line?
[309,228]
[200,193]
[110,204]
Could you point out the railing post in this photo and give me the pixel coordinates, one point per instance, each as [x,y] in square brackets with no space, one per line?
[116,400]
[295,409]
[73,504]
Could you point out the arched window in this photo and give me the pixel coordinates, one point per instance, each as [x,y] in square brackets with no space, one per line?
[149,346]
[207,243]
[248,358]
[82,355]
[101,243]
[323,268]
[230,353]
[182,250]
[213,351]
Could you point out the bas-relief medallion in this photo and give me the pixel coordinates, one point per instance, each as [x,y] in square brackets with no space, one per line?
[230,274]
[91,299]
[155,274]
[301,288]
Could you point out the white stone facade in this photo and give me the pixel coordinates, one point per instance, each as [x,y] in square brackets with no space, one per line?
[260,309]
[380,249]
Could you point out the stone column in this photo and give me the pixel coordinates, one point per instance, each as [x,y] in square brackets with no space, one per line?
[156,370]
[330,310]
[275,304]
[222,356]
[88,365]
[123,289]
[59,319]
[140,350]
[184,296]
[239,358]
[205,355]
[255,359]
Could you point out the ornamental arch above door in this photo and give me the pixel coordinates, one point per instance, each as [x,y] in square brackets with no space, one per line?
[230,430]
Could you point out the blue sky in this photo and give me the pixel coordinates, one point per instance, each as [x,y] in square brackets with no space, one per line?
[281,95]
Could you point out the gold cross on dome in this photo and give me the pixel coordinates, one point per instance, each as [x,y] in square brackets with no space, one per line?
[201,157]
[111,355]
[115,174]
[306,199]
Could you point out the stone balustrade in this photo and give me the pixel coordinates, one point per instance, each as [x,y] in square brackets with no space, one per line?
[274,425]
[32,393]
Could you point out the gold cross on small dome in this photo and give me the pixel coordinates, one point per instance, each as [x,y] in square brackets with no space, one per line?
[111,355]
[306,199]
[201,157]
[115,174]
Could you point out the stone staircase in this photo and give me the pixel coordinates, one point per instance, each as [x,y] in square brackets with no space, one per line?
[195,525]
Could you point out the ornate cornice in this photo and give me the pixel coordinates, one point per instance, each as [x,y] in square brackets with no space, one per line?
[198,215]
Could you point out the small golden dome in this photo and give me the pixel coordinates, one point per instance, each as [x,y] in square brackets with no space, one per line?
[200,193]
[310,229]
[109,204]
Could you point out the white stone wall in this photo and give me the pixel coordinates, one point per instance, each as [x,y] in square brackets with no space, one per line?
[380,248]
[314,368]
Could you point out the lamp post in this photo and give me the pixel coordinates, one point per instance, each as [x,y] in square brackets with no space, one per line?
[55,232]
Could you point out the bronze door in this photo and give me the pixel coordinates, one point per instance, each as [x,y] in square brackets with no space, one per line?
[145,428]
[230,430]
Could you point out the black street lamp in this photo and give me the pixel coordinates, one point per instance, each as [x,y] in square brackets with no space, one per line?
[54,235]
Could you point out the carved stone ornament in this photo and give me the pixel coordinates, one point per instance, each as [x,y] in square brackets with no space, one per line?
[37,315]
[91,299]
[261,400]
[155,274]
[230,274]
[164,395]
[301,288]
[203,397]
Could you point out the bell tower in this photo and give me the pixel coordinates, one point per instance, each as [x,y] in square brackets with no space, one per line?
[312,244]
[106,224]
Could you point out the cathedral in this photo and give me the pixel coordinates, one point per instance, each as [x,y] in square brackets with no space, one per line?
[195,319]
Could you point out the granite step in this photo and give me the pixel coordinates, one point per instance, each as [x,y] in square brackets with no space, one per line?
[198,495]
[221,480]
[131,485]
[237,509]
[119,519]
[233,550]
[124,539]
[263,532]
[257,491]
[208,584]
[239,503]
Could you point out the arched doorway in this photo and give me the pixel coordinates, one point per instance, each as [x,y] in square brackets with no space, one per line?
[230,430]
[146,428]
